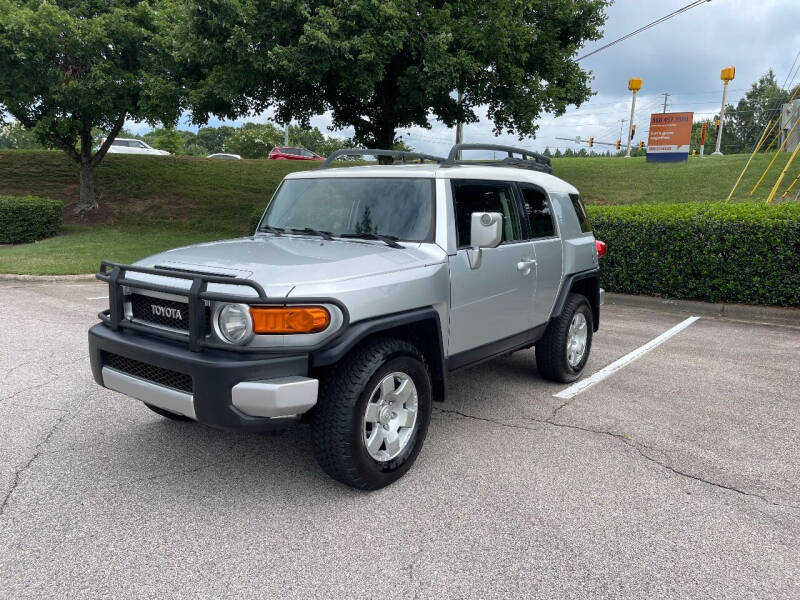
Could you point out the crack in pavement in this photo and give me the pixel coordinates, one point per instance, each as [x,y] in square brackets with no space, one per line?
[624,439]
[19,471]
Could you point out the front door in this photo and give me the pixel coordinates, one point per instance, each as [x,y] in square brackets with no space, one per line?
[494,301]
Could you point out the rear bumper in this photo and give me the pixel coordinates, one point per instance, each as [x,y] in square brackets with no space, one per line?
[225,389]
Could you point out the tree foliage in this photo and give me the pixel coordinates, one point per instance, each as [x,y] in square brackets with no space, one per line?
[377,66]
[68,67]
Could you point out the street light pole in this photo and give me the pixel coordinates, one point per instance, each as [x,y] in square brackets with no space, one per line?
[727,74]
[634,85]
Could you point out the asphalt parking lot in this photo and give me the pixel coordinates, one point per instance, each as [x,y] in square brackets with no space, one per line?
[677,476]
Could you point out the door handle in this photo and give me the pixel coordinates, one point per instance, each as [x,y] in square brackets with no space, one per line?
[525,264]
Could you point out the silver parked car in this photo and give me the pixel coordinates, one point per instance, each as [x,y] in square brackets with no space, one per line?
[361,291]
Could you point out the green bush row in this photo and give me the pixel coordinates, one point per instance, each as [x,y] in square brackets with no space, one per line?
[28,218]
[704,251]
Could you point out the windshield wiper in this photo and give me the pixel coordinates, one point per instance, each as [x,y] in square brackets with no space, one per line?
[389,240]
[276,230]
[325,235]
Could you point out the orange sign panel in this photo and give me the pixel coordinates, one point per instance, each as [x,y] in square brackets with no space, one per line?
[670,136]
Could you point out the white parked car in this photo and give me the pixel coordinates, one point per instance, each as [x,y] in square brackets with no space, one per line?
[225,156]
[131,146]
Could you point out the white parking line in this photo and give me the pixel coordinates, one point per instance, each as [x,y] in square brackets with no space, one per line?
[98,297]
[584,384]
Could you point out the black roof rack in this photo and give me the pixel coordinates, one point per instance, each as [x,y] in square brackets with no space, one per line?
[529,160]
[337,154]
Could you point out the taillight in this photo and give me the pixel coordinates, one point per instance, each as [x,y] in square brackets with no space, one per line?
[601,248]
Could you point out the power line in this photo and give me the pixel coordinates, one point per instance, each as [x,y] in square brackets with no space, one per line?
[688,7]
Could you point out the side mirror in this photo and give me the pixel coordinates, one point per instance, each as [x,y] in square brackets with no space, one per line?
[486,231]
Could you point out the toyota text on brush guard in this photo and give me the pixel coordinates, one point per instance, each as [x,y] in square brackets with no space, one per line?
[362,289]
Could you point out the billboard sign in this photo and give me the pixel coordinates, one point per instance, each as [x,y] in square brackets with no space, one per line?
[670,137]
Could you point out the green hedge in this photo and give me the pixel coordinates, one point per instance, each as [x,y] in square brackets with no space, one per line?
[28,218]
[705,251]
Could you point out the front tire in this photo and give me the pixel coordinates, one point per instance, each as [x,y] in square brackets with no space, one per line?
[564,349]
[372,415]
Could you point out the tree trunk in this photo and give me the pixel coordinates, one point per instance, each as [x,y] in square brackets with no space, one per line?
[88,200]
[384,139]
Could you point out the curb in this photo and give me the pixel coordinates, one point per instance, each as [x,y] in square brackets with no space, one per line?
[12,277]
[777,315]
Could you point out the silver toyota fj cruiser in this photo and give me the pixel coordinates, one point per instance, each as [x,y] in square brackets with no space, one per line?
[361,290]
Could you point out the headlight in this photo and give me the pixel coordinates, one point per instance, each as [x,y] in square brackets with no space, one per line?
[233,323]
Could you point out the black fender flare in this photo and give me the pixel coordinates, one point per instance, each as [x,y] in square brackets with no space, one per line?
[593,294]
[400,324]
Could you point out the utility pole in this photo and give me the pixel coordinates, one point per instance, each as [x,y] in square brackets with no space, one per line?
[634,85]
[666,95]
[727,74]
[621,124]
[286,134]
[459,127]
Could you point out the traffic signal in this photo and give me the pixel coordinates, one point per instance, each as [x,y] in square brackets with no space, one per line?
[619,143]
[716,125]
[633,131]
[641,145]
[591,142]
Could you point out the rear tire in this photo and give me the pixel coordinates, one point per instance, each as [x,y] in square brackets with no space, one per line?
[562,352]
[372,415]
[167,414]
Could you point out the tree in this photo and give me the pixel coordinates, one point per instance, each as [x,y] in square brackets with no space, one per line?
[14,136]
[68,67]
[167,138]
[214,138]
[745,123]
[254,140]
[377,66]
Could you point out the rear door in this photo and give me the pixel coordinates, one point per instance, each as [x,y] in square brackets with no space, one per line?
[494,301]
[542,231]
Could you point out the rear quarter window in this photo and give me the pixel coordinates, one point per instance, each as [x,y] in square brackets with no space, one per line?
[580,211]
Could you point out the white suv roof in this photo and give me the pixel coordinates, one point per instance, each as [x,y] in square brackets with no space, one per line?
[432,170]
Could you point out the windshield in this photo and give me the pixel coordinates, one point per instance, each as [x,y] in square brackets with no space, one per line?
[395,207]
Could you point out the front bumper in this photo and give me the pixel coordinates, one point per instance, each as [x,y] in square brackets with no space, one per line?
[223,389]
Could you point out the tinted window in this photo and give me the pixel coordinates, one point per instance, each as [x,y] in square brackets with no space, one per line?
[484,196]
[394,206]
[538,211]
[123,143]
[580,210]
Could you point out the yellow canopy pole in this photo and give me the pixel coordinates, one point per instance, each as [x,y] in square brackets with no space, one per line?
[783,174]
[789,189]
[778,120]
[749,160]
[774,158]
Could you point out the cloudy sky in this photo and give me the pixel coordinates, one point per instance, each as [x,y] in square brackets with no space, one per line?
[682,56]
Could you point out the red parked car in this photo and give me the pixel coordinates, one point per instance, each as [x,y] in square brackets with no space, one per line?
[290,153]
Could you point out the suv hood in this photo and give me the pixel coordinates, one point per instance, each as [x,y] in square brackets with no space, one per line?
[289,260]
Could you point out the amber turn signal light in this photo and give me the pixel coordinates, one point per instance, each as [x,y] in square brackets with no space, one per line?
[289,319]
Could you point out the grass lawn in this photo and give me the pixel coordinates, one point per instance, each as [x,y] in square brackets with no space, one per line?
[163,202]
[80,248]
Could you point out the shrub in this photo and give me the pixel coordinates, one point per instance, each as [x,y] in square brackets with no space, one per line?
[28,218]
[705,251]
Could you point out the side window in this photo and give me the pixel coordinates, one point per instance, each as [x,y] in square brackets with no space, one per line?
[580,210]
[484,196]
[538,211]
[123,143]
[139,144]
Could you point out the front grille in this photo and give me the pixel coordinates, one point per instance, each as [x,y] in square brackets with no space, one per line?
[167,313]
[159,375]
